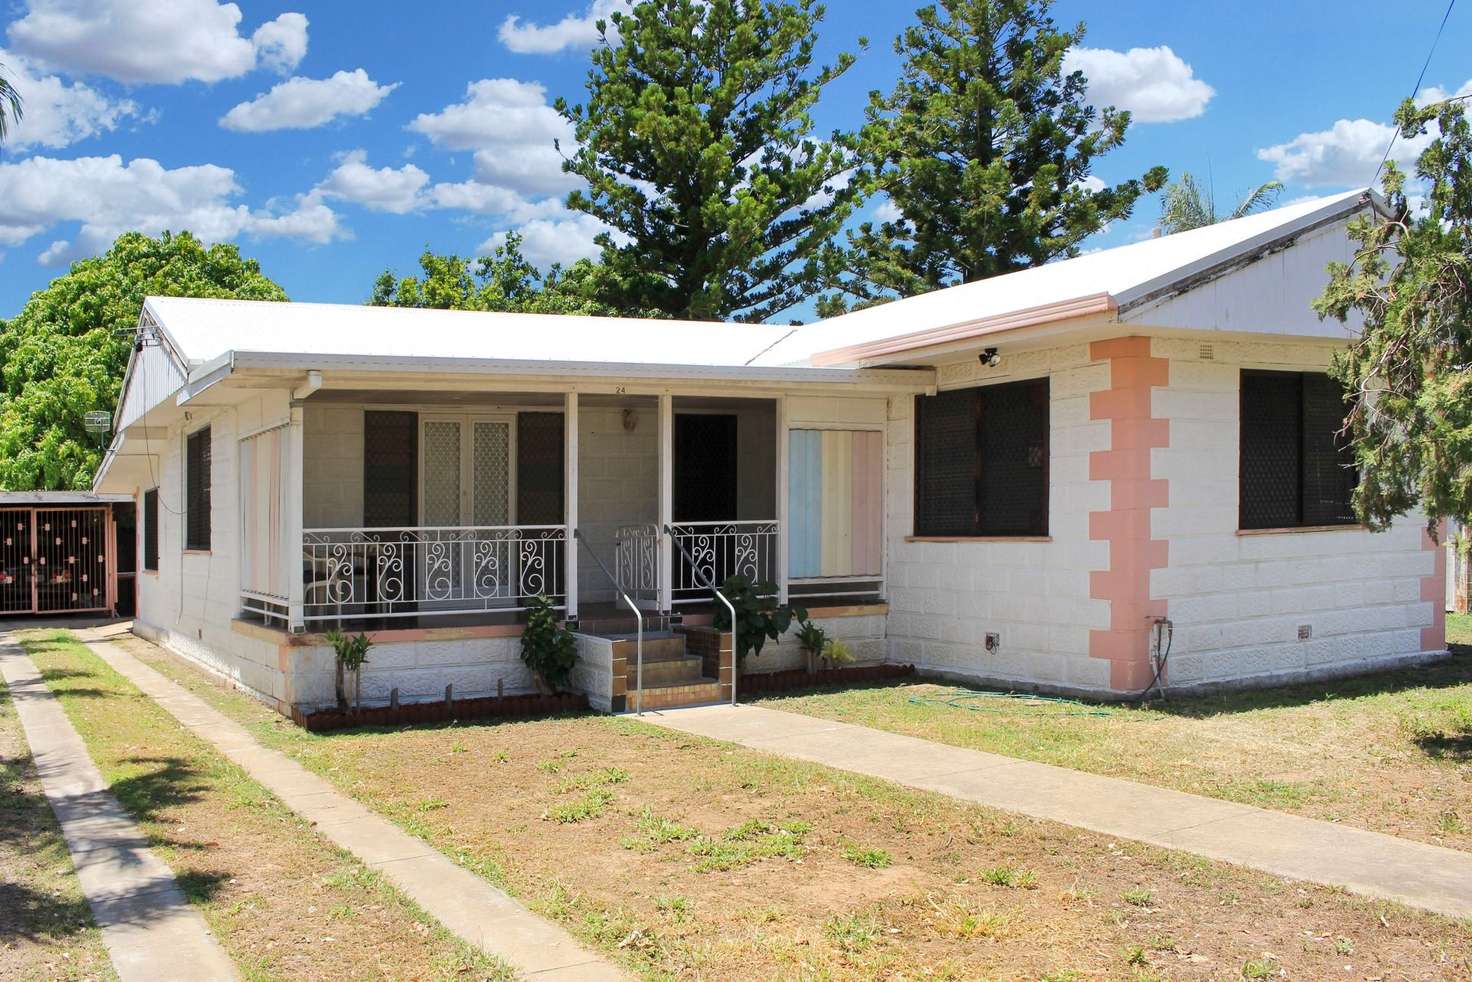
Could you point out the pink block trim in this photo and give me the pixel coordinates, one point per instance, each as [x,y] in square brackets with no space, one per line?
[1133,492]
[1433,588]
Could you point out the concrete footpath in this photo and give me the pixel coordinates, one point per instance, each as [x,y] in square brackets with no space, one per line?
[150,930]
[463,902]
[1369,863]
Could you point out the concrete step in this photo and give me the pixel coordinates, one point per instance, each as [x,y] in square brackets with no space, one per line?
[669,671]
[700,693]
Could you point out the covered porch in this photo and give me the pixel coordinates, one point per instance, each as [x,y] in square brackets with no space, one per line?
[381,509]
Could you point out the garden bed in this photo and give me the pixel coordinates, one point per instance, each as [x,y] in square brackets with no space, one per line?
[491,707]
[798,678]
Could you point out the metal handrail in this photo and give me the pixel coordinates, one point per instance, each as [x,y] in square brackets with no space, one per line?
[638,622]
[710,584]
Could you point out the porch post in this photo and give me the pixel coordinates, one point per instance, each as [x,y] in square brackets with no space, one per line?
[570,500]
[782,494]
[291,529]
[666,500]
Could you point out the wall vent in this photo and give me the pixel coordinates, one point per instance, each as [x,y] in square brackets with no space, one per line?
[1208,353]
[1305,631]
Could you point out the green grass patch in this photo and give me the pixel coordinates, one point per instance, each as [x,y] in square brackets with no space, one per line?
[1010,876]
[588,805]
[748,842]
[868,858]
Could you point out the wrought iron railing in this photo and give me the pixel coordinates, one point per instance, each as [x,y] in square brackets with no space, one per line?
[709,552]
[369,573]
[636,563]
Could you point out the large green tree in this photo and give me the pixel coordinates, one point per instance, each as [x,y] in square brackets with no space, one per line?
[11,109]
[1408,371]
[699,150]
[1185,204]
[984,148]
[64,354]
[504,280]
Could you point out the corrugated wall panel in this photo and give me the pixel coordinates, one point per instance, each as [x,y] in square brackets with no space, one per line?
[805,512]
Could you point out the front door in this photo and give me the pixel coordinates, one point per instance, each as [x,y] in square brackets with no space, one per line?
[705,467]
[465,482]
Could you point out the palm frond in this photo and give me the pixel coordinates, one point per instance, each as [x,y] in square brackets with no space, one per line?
[1259,198]
[11,110]
[1185,206]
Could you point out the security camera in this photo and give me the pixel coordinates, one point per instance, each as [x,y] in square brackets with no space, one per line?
[990,358]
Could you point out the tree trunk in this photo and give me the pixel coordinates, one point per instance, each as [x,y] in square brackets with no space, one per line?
[1462,570]
[340,685]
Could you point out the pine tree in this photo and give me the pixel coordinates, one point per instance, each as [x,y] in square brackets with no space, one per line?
[698,146]
[984,148]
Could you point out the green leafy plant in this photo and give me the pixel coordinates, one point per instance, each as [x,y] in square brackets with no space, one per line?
[868,858]
[759,618]
[547,648]
[352,654]
[812,639]
[836,652]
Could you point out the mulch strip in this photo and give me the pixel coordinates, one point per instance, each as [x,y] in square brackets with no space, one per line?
[798,678]
[491,707]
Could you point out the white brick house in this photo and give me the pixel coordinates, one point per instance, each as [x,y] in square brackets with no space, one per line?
[1045,480]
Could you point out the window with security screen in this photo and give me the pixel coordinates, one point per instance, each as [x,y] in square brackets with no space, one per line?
[197,490]
[1295,471]
[981,461]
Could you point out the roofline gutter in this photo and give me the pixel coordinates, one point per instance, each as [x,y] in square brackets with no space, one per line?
[1092,303]
[909,379]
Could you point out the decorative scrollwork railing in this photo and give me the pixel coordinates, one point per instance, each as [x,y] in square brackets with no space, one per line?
[369,573]
[709,552]
[636,563]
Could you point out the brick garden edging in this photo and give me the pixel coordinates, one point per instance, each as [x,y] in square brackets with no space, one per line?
[798,678]
[492,707]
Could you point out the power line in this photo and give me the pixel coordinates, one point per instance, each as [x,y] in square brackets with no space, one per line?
[1395,132]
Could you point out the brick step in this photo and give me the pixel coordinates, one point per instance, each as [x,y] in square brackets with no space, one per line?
[669,671]
[699,693]
[666,648]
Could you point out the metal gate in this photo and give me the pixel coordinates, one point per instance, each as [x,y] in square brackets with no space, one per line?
[55,560]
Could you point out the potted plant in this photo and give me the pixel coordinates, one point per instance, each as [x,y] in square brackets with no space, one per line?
[547,648]
[352,654]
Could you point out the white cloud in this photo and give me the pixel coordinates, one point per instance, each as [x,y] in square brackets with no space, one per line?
[564,239]
[58,114]
[1154,84]
[107,197]
[573,31]
[281,44]
[158,41]
[303,103]
[1345,155]
[497,112]
[391,189]
[888,211]
[1435,93]
[528,169]
[1093,183]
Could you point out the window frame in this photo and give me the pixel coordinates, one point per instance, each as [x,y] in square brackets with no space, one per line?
[150,530]
[198,497]
[981,530]
[1301,477]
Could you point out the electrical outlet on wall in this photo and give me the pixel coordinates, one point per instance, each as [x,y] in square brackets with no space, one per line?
[993,642]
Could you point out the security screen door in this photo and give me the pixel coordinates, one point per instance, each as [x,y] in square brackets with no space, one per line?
[465,481]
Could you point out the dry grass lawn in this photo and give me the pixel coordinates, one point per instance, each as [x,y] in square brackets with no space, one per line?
[1389,752]
[284,902]
[46,928]
[690,859]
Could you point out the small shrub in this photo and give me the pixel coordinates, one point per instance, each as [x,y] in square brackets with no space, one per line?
[811,638]
[547,648]
[838,653]
[759,618]
[870,858]
[352,655]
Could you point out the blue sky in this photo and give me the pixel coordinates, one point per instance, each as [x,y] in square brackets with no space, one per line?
[333,139]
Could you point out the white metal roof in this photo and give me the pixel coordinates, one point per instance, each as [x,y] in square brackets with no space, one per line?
[1125,273]
[203,330]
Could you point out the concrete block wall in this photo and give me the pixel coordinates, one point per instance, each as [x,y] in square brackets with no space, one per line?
[593,673]
[865,636]
[332,466]
[945,597]
[420,670]
[1238,601]
[618,484]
